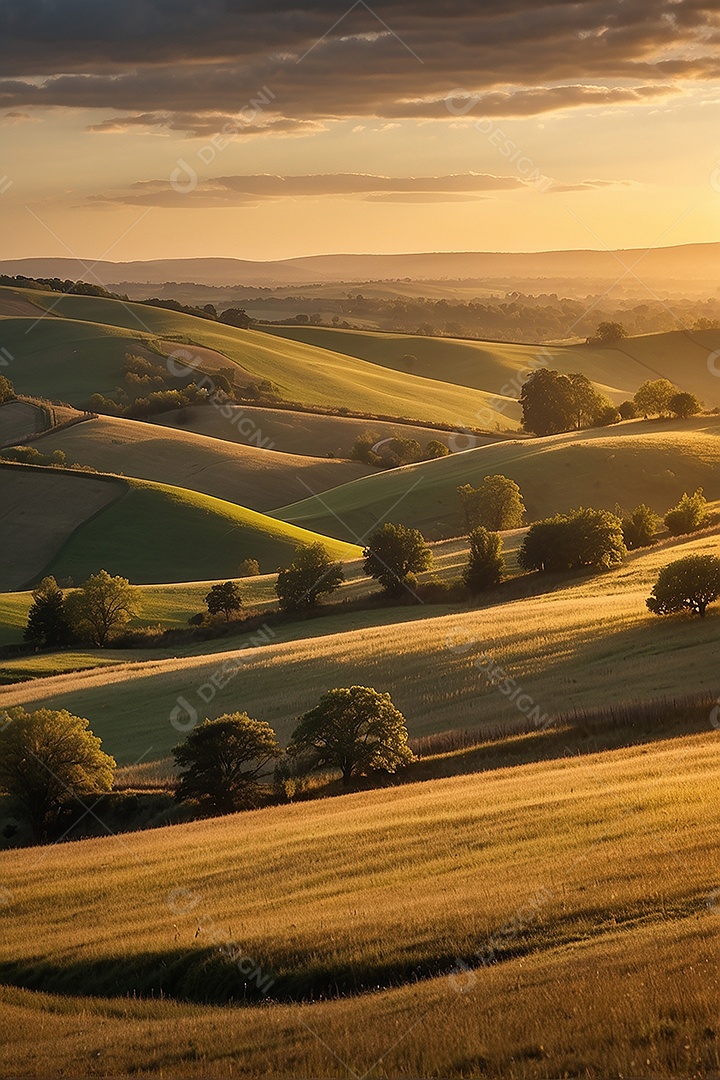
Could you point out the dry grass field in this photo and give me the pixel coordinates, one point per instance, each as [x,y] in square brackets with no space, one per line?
[588,885]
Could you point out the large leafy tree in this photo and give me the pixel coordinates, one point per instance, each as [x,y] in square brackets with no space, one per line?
[47,623]
[354,729]
[688,584]
[653,397]
[311,574]
[222,762]
[496,505]
[684,405]
[225,599]
[547,402]
[394,554]
[48,760]
[485,565]
[589,406]
[582,538]
[101,607]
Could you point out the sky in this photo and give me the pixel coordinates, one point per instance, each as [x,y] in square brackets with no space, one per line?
[261,130]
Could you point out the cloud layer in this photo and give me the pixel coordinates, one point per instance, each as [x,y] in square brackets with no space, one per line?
[190,67]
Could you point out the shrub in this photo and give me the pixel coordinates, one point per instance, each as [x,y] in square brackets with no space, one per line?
[640,527]
[689,515]
[684,405]
[627,410]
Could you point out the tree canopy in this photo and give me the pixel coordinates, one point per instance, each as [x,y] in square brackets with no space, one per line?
[394,554]
[101,606]
[48,623]
[653,397]
[311,574]
[688,584]
[583,537]
[496,505]
[48,760]
[222,760]
[354,729]
[552,403]
[485,565]
[224,599]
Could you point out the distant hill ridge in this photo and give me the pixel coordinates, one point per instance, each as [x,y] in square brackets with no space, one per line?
[687,262]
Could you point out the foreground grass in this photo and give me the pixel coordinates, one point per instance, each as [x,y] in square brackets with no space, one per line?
[590,880]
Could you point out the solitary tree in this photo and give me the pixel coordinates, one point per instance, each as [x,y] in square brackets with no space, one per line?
[584,537]
[639,527]
[47,623]
[653,398]
[354,729]
[222,761]
[686,584]
[607,333]
[436,449]
[311,574]
[497,504]
[101,606]
[48,760]
[394,554]
[485,564]
[689,515]
[684,405]
[224,599]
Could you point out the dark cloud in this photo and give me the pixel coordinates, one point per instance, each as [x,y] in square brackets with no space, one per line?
[248,190]
[183,62]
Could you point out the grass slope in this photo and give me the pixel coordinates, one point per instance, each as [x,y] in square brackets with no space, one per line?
[301,433]
[148,533]
[248,475]
[301,372]
[605,940]
[680,356]
[637,461]
[587,644]
[40,509]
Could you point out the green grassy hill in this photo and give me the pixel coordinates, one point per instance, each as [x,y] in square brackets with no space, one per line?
[680,356]
[146,532]
[79,327]
[586,644]
[251,476]
[637,461]
[604,943]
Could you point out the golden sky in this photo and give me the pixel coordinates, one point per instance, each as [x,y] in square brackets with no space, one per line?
[260,131]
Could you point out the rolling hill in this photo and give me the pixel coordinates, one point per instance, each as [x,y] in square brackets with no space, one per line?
[637,461]
[684,358]
[305,433]
[64,356]
[248,475]
[564,874]
[580,646]
[71,524]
